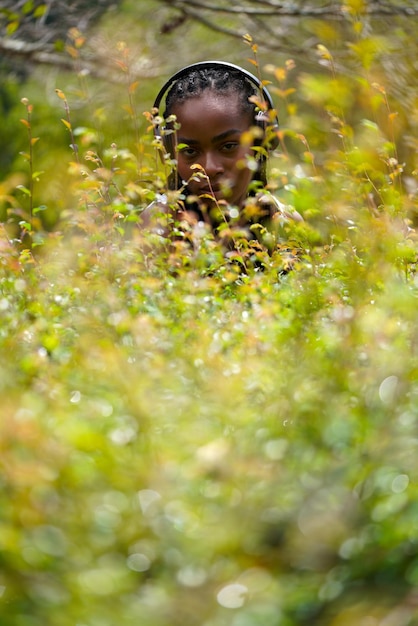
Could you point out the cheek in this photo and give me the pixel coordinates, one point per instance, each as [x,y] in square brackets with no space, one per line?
[242,181]
[242,162]
[183,167]
[186,170]
[242,173]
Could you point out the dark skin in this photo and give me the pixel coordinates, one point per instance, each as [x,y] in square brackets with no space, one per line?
[210,136]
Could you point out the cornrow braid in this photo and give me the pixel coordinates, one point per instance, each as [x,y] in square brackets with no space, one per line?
[219,80]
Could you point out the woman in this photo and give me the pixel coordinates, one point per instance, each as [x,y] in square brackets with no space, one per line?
[220,125]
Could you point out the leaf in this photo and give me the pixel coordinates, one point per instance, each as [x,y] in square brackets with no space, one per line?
[12,27]
[27,7]
[24,190]
[73,52]
[26,225]
[25,123]
[66,123]
[324,52]
[40,10]
[133,86]
[280,73]
[130,111]
[26,256]
[79,41]
[38,209]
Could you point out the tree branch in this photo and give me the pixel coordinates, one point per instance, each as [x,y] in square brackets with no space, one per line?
[38,54]
[376,9]
[273,9]
[33,40]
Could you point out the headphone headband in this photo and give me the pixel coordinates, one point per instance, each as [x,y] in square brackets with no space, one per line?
[209,65]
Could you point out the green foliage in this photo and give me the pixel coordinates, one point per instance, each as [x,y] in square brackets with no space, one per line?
[199,437]
[202,448]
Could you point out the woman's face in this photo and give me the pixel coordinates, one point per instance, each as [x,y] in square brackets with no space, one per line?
[211,126]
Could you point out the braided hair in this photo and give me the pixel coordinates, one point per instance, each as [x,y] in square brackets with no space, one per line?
[219,80]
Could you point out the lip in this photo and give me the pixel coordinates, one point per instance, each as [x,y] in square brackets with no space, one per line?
[214,189]
[209,192]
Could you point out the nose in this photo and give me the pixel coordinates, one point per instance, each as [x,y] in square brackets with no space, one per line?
[212,164]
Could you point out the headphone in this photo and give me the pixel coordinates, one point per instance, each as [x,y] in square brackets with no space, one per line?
[262,118]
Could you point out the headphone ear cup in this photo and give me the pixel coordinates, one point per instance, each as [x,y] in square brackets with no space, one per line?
[273,130]
[165,141]
[270,129]
[166,148]
[168,141]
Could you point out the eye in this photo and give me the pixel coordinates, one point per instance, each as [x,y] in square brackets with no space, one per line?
[187,151]
[230,146]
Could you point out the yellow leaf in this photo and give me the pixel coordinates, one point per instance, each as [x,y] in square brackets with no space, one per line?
[79,42]
[73,52]
[133,86]
[128,109]
[280,73]
[324,52]
[66,123]
[355,6]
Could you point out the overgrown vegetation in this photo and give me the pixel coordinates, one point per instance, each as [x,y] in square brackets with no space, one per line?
[196,438]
